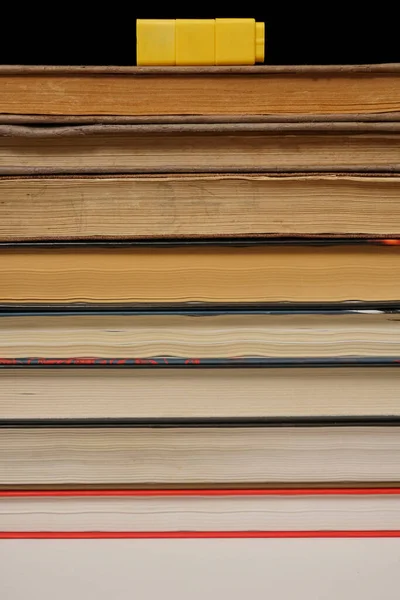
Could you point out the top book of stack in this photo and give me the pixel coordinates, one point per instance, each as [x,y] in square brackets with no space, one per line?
[231,93]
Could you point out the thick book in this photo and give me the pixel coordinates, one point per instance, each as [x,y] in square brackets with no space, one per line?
[183,206]
[200,148]
[216,91]
[186,275]
[353,334]
[229,513]
[158,392]
[200,456]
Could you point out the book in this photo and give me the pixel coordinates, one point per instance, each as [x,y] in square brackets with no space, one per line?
[230,91]
[183,456]
[198,206]
[185,275]
[240,147]
[197,392]
[276,334]
[210,513]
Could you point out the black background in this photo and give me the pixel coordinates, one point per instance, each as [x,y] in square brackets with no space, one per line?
[105,33]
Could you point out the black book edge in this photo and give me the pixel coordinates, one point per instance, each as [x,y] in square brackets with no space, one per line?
[200,422]
[197,308]
[167,362]
[388,240]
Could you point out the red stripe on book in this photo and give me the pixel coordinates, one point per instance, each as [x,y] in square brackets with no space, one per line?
[71,535]
[198,492]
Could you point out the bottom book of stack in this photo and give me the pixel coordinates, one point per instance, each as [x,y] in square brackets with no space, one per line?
[351,512]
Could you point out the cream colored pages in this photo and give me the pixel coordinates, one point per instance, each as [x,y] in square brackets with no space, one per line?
[204,456]
[200,392]
[141,513]
[202,336]
[201,274]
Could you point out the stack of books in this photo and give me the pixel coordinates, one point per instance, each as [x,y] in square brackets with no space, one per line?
[199,298]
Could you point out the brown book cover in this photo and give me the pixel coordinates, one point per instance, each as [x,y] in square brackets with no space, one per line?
[200,91]
[182,147]
[183,206]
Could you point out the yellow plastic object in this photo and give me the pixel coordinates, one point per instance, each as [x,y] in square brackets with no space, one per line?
[155,41]
[238,42]
[196,42]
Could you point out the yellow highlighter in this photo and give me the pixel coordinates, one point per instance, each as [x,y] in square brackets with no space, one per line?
[197,42]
